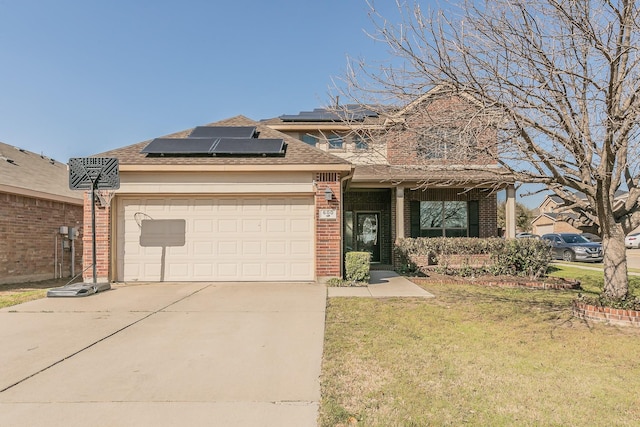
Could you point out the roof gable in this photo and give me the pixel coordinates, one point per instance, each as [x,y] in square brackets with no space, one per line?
[297,152]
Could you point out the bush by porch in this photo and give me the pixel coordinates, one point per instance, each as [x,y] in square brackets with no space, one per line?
[472,256]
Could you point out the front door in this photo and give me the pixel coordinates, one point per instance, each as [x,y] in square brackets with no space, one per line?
[368,234]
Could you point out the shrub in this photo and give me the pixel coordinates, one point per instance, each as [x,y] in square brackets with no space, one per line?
[459,255]
[522,257]
[357,266]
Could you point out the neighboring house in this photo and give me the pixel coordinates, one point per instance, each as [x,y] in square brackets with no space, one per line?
[414,174]
[35,202]
[229,201]
[555,217]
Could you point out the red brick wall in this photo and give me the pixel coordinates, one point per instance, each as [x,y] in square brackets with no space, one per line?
[328,231]
[446,112]
[103,243]
[28,230]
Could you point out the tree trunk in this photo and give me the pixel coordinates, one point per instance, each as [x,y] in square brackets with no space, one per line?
[616,280]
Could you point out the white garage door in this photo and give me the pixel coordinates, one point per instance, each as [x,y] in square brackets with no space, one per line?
[544,229]
[261,238]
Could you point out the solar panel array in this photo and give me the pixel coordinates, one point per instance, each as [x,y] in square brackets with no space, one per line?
[350,112]
[212,141]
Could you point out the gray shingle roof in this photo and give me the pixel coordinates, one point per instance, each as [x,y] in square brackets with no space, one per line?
[24,172]
[432,175]
[297,152]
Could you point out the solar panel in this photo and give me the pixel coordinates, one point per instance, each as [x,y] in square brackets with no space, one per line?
[179,146]
[249,146]
[215,147]
[223,132]
[348,112]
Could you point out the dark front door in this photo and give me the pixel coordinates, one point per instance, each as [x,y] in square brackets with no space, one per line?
[368,234]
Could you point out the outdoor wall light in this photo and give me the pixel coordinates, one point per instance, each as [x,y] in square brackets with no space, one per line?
[328,194]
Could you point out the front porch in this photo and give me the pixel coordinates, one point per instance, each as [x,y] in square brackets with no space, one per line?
[373,218]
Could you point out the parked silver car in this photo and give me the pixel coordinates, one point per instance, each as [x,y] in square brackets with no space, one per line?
[573,247]
[632,241]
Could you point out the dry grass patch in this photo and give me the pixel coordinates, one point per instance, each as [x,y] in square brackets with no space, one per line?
[18,293]
[478,356]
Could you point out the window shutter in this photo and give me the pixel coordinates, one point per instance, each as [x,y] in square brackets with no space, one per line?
[474,218]
[414,218]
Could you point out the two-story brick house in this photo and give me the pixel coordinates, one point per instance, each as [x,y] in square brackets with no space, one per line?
[289,196]
[416,171]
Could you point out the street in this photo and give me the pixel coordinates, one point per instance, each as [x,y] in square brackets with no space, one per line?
[633,258]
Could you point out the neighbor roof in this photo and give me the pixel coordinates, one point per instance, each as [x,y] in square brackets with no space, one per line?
[34,175]
[297,153]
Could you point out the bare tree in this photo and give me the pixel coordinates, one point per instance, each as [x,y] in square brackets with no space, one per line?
[561,78]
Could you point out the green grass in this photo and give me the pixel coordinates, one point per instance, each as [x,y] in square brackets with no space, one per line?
[7,300]
[591,281]
[474,355]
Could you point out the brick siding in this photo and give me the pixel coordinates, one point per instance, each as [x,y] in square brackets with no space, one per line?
[28,231]
[103,242]
[446,112]
[328,231]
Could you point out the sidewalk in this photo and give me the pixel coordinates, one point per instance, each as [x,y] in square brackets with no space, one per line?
[586,267]
[383,284]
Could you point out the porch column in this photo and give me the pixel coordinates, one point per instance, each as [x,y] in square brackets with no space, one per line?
[510,213]
[399,212]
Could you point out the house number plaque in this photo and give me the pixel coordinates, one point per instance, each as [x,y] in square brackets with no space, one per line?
[328,214]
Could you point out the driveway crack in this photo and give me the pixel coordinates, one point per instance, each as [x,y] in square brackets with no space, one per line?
[101,340]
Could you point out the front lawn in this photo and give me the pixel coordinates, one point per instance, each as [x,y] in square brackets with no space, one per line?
[478,356]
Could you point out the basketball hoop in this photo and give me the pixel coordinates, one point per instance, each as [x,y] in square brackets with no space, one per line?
[104,197]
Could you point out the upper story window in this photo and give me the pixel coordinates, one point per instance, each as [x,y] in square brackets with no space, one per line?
[446,143]
[361,143]
[336,142]
[309,139]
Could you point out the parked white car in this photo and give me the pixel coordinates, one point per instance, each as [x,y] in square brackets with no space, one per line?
[632,241]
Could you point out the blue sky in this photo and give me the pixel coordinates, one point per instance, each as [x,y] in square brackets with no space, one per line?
[79,77]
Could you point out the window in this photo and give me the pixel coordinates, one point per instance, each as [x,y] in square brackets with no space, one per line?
[447,219]
[309,139]
[335,141]
[361,143]
[446,143]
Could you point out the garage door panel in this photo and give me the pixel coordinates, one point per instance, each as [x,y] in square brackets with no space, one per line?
[226,238]
[300,247]
[203,248]
[203,271]
[227,225]
[276,225]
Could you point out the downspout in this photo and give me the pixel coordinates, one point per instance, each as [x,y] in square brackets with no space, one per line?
[343,188]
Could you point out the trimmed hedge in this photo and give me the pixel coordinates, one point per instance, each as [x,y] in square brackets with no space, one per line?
[472,256]
[357,266]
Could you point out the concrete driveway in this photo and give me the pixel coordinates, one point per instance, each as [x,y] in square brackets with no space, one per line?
[222,354]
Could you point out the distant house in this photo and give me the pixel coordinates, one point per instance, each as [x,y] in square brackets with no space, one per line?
[35,202]
[555,217]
